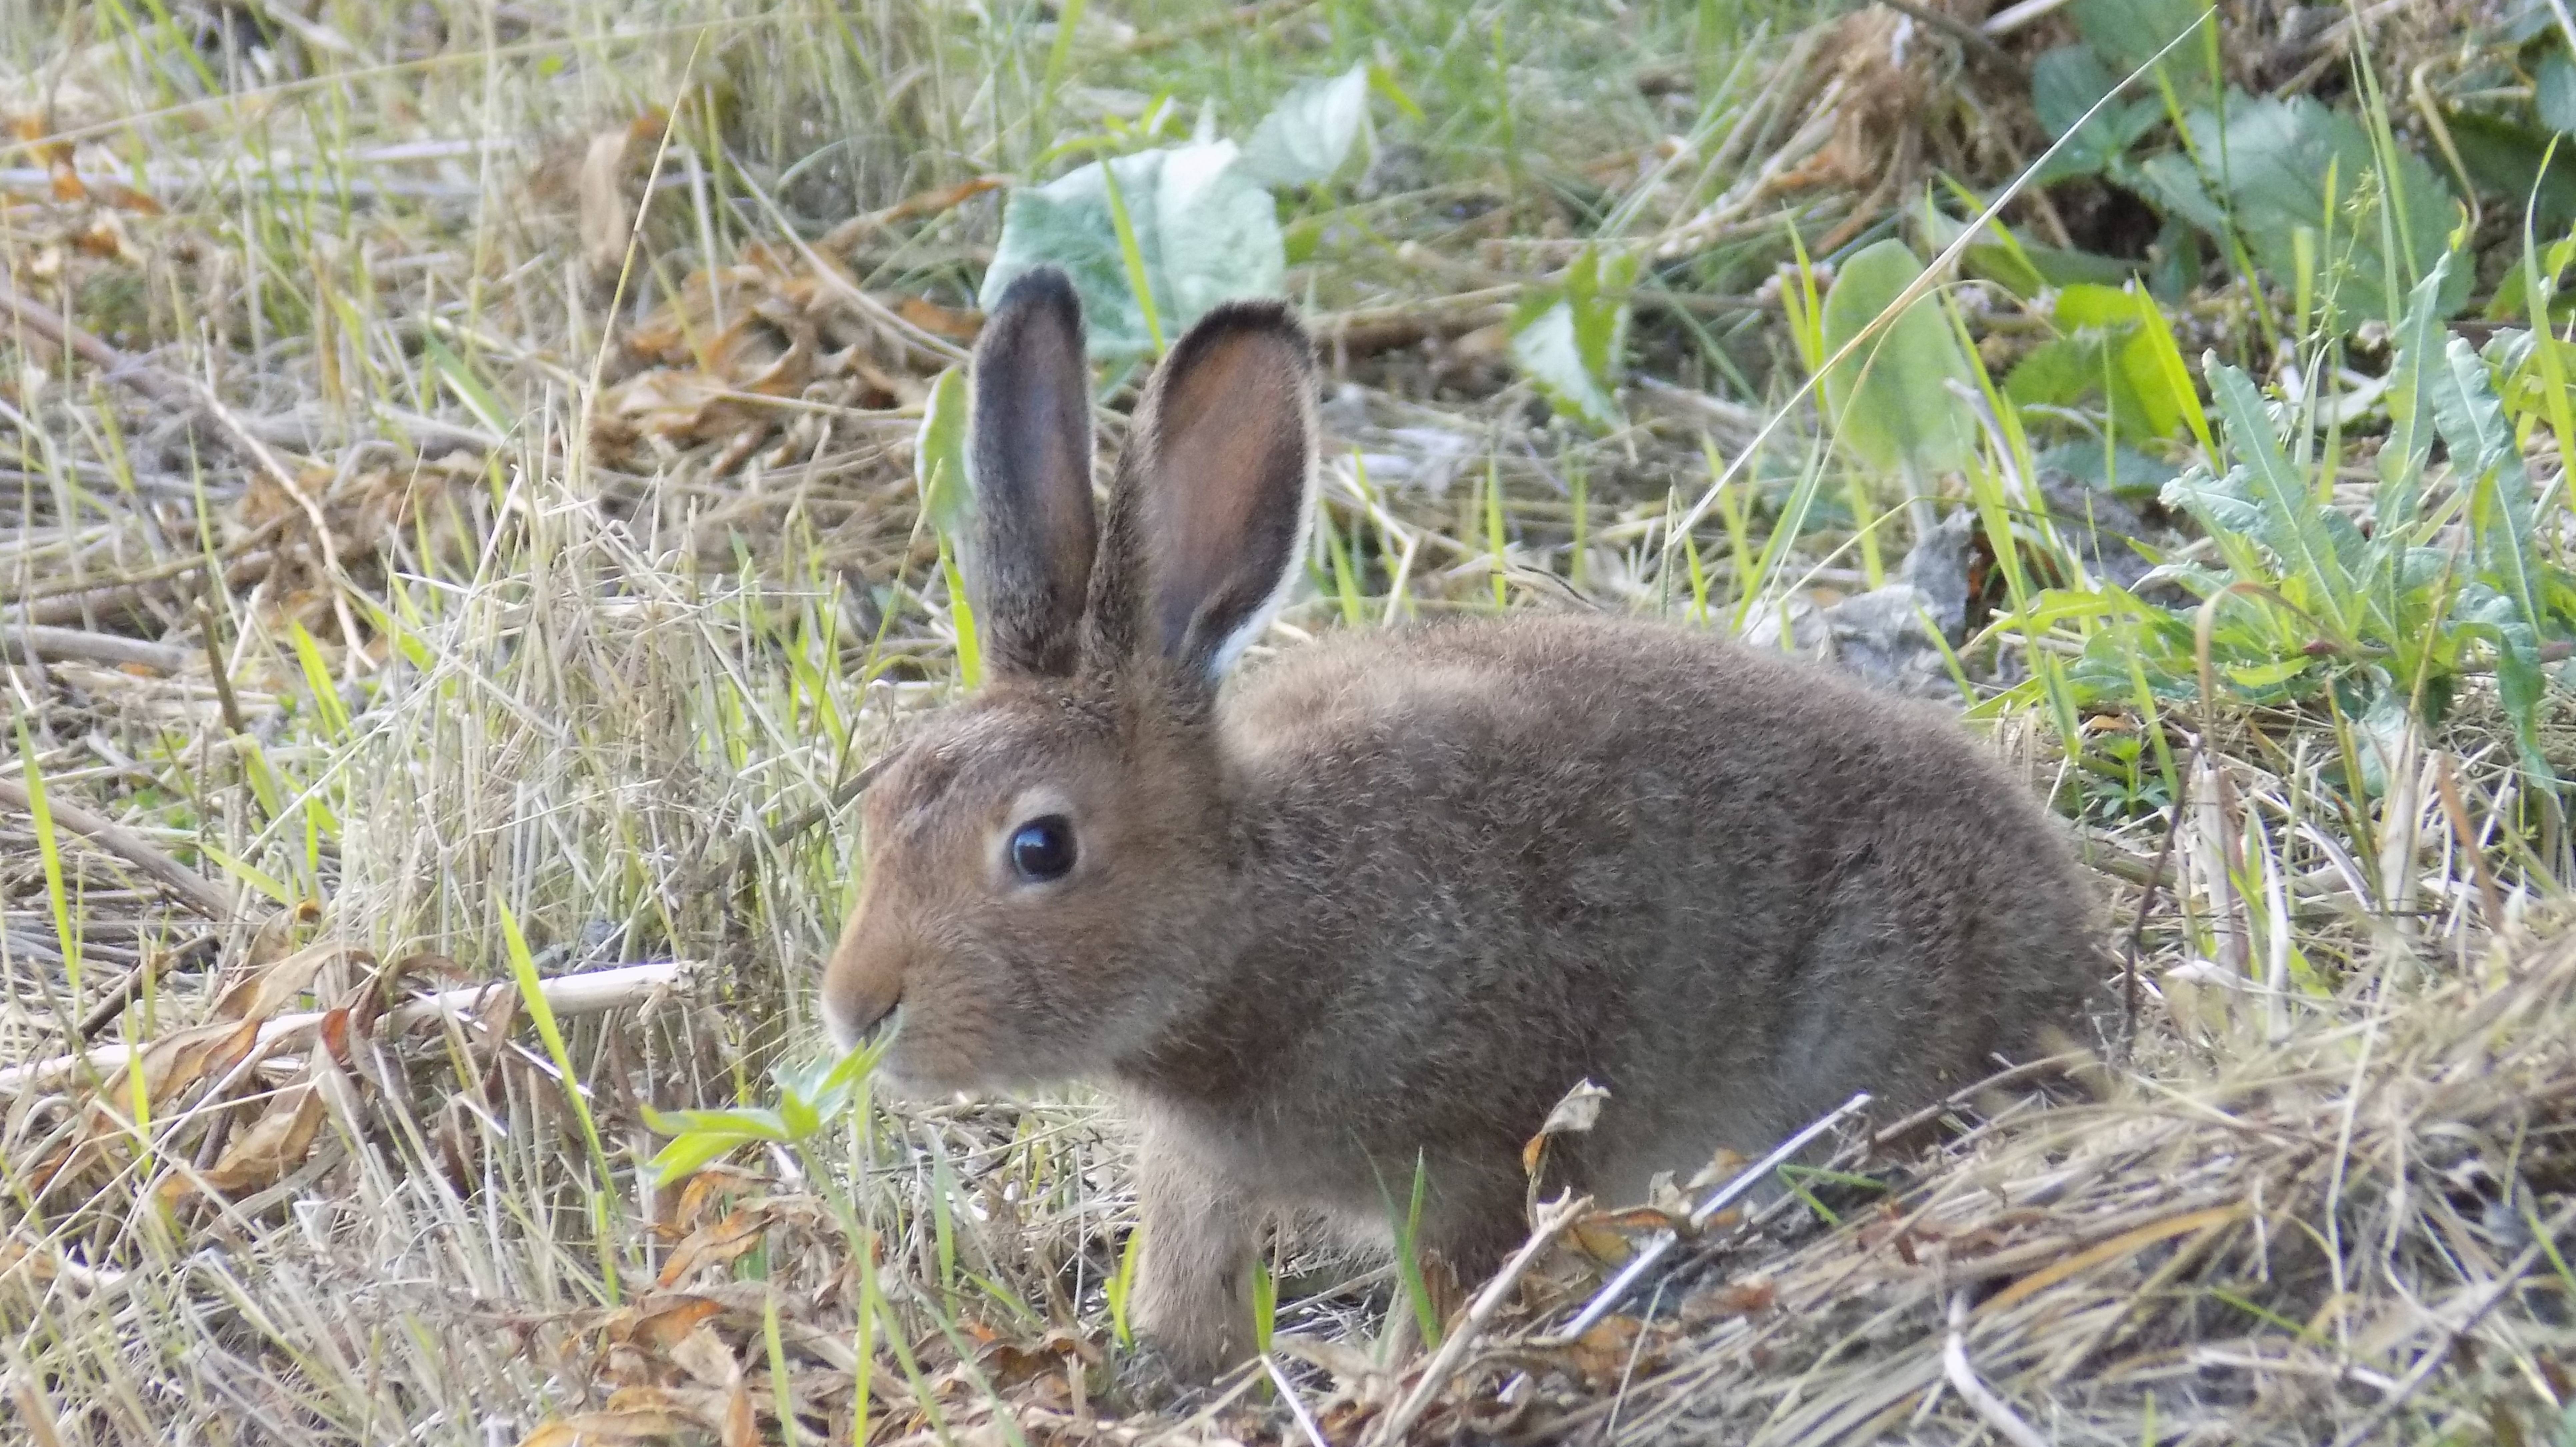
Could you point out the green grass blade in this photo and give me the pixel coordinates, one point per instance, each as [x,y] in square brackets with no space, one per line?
[532,997]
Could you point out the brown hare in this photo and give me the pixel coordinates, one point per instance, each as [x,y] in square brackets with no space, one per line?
[1384,900]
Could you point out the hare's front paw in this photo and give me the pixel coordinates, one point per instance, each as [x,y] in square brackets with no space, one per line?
[1153,1378]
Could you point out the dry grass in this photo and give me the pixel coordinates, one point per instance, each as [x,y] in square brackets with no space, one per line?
[415,574]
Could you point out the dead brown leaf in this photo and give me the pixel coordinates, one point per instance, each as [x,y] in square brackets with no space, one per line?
[175,1063]
[1577,1112]
[717,1244]
[1604,1354]
[713,365]
[940,321]
[263,992]
[588,1429]
[1736,1298]
[711,1182]
[609,162]
[701,1355]
[276,1144]
[664,1320]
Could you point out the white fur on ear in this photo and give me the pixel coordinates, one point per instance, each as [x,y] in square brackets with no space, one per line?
[1230,652]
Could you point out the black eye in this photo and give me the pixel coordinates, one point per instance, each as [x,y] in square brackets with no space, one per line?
[1042,849]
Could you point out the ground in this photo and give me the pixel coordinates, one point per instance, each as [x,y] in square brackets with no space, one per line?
[462,539]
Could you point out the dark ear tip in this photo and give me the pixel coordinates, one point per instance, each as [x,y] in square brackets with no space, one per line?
[1043,291]
[1252,316]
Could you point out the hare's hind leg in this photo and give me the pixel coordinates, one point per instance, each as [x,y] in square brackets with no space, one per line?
[1193,1283]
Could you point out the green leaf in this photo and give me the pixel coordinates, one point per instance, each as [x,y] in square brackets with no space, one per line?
[2291,523]
[799,1116]
[841,1082]
[1265,1305]
[2252,676]
[1571,339]
[2129,33]
[2483,449]
[1383,81]
[2402,458]
[541,1013]
[1311,132]
[2057,266]
[939,455]
[2272,160]
[469,388]
[1890,401]
[1204,233]
[747,1122]
[2065,83]
[2487,615]
[2059,372]
[2506,157]
[2148,398]
[2123,470]
[317,678]
[685,1156]
[2553,92]
[1122,1284]
[2155,351]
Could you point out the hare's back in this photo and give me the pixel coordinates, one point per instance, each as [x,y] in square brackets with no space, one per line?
[1661,773]
[1535,702]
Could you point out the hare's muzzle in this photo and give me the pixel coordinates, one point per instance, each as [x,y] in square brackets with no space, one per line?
[862,983]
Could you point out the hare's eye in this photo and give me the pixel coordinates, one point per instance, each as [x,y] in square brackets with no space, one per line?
[1042,849]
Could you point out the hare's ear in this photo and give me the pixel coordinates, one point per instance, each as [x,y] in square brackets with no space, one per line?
[1034,536]
[1208,518]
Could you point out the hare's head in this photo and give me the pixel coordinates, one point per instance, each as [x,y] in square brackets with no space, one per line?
[1046,860]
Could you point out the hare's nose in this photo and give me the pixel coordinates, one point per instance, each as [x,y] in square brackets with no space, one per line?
[862,984]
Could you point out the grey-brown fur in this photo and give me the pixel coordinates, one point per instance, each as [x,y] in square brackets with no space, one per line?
[1389,897]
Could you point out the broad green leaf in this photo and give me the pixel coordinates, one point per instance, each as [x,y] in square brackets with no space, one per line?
[1549,351]
[1311,132]
[798,1115]
[2553,92]
[2122,470]
[2057,373]
[1204,231]
[1890,401]
[2057,266]
[2064,85]
[2267,675]
[2485,453]
[939,455]
[2225,512]
[2508,158]
[2409,447]
[751,1123]
[685,1156]
[2488,615]
[1571,340]
[2157,395]
[2129,33]
[2272,160]
[2155,350]
[2292,525]
[2177,189]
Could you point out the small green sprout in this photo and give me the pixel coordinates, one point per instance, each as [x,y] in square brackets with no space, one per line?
[810,1096]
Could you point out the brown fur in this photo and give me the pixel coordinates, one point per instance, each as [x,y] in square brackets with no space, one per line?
[1388,898]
